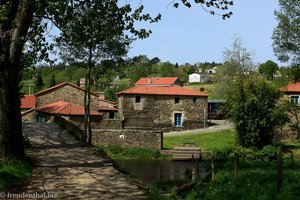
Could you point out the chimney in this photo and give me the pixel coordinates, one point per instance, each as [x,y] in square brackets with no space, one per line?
[149,81]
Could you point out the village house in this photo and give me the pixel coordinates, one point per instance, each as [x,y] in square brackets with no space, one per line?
[162,103]
[67,99]
[290,131]
[292,92]
[198,78]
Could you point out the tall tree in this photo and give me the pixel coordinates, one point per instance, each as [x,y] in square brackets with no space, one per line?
[52,81]
[268,69]
[238,62]
[286,36]
[39,84]
[252,106]
[23,20]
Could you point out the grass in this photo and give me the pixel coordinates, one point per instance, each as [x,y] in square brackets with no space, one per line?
[13,172]
[117,152]
[208,141]
[257,181]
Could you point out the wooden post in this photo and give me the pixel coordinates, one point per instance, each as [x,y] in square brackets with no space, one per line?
[236,169]
[212,169]
[197,169]
[279,169]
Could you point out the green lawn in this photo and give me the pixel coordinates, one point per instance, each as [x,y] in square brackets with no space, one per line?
[206,141]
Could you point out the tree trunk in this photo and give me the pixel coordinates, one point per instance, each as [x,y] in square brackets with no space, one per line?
[13,30]
[11,140]
[89,131]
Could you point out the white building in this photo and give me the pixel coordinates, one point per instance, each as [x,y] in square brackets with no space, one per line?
[194,78]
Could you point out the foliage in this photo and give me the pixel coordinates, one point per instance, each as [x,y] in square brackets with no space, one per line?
[252,106]
[13,172]
[39,84]
[238,62]
[208,141]
[286,36]
[268,69]
[52,81]
[256,181]
[117,152]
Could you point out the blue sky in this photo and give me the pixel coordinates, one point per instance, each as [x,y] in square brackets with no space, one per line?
[190,35]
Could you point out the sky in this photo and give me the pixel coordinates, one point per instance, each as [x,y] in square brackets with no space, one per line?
[191,35]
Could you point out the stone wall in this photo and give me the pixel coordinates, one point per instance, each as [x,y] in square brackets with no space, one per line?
[66,93]
[157,112]
[29,116]
[121,137]
[128,138]
[108,124]
[69,126]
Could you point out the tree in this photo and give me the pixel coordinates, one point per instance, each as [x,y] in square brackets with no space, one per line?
[238,62]
[252,106]
[52,81]
[39,84]
[268,69]
[286,36]
[28,20]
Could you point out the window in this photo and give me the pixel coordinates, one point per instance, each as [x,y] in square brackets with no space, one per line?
[294,99]
[194,99]
[177,100]
[111,115]
[178,119]
[137,99]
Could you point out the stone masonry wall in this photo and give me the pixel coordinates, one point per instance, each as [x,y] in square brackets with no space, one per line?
[158,112]
[66,93]
[128,138]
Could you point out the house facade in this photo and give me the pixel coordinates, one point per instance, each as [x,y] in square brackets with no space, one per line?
[292,92]
[194,78]
[162,107]
[67,96]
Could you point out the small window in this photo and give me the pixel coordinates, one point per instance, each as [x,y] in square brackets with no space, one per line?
[194,100]
[111,115]
[295,99]
[137,99]
[178,119]
[177,100]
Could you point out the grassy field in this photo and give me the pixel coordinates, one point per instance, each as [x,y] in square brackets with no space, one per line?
[206,141]
[13,172]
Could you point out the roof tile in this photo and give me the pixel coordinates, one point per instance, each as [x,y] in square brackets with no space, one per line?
[162,90]
[28,101]
[64,108]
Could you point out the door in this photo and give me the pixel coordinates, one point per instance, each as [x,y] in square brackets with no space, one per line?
[178,119]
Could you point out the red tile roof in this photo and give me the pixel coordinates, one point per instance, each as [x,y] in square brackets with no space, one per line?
[108,109]
[292,87]
[64,108]
[162,90]
[61,85]
[28,101]
[157,81]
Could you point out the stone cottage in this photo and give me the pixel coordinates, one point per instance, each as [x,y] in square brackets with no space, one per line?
[67,96]
[165,106]
[290,131]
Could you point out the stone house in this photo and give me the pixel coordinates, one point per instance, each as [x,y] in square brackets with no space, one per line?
[67,95]
[292,92]
[162,107]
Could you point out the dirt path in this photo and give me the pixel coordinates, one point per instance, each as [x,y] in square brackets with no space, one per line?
[218,125]
[67,169]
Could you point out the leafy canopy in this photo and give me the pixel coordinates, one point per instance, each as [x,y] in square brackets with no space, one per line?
[252,106]
[286,36]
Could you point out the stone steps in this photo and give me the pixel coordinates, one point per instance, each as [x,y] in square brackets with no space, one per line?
[186,153]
